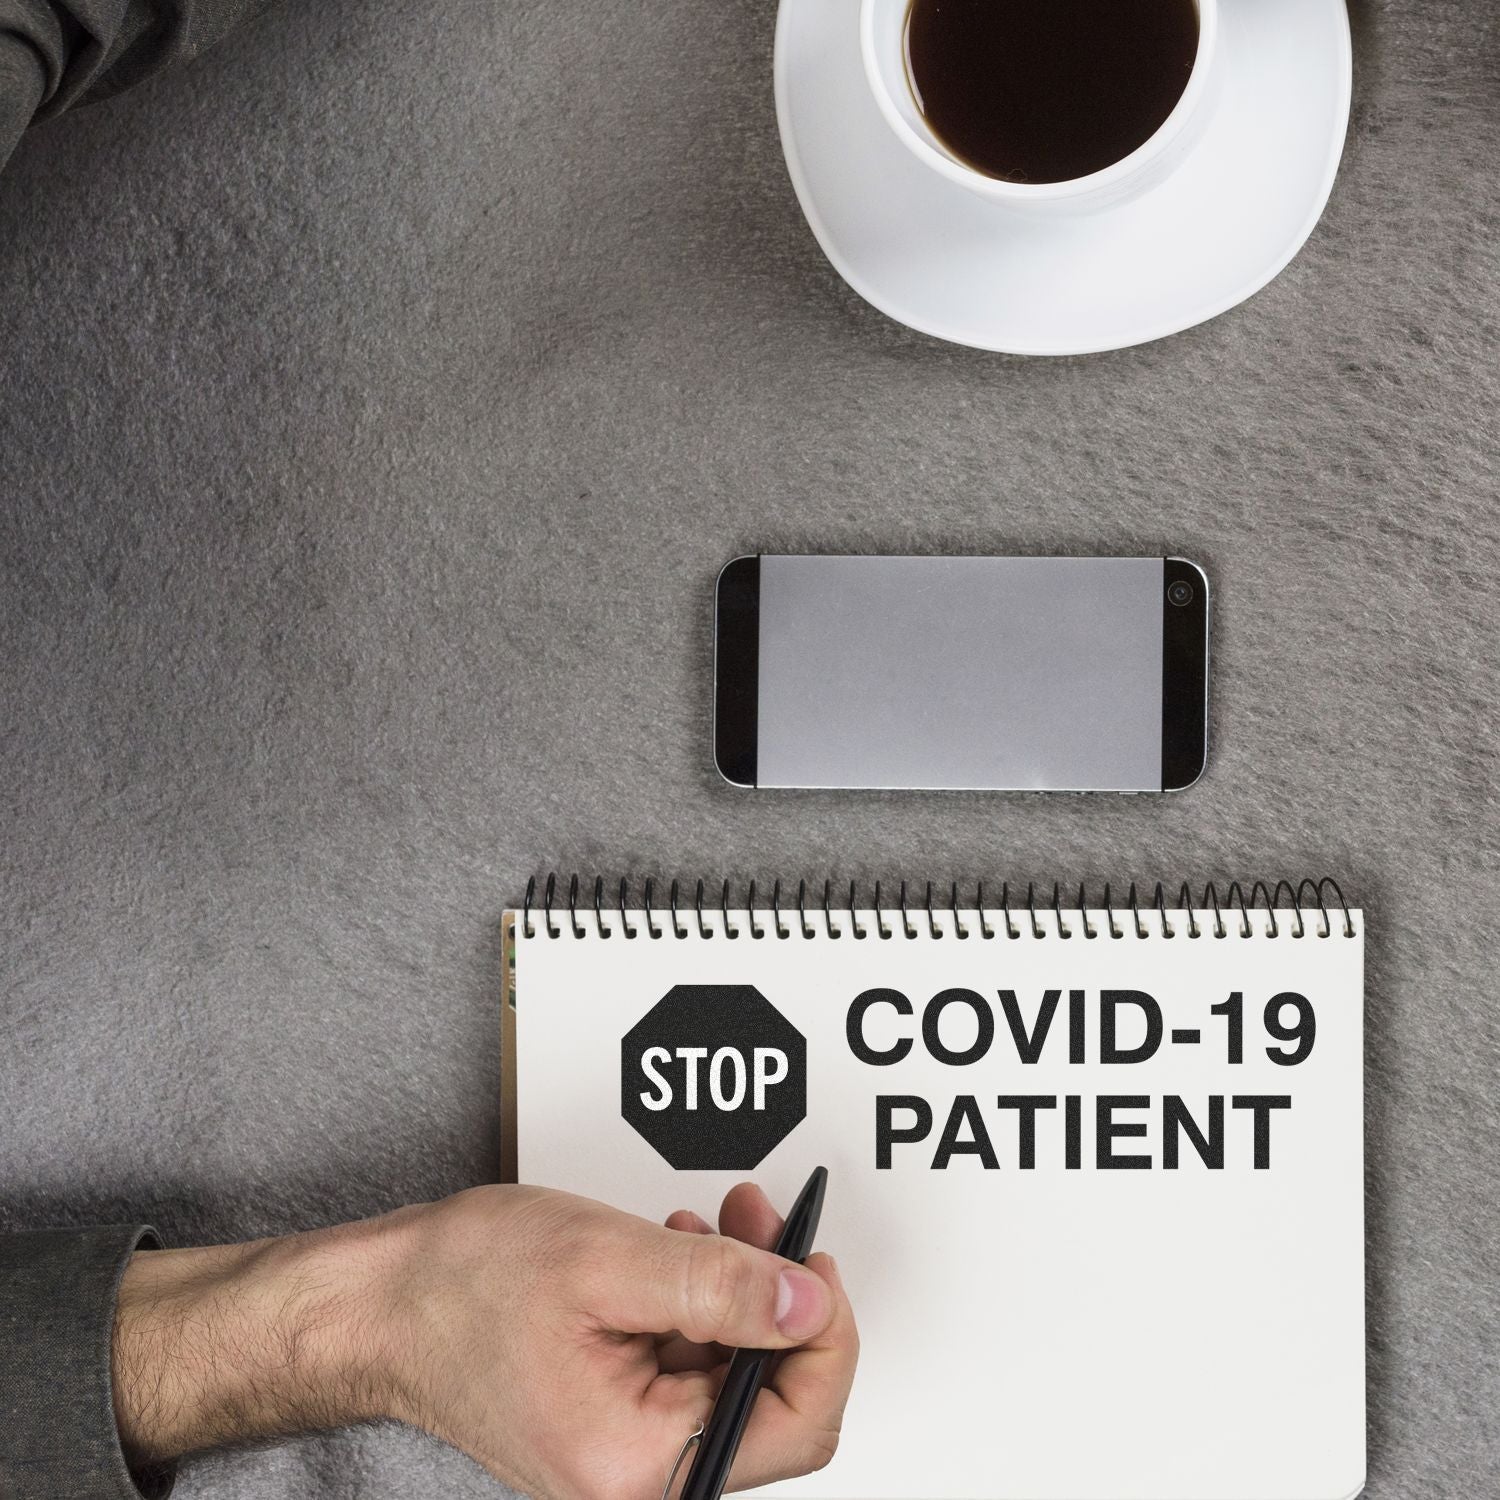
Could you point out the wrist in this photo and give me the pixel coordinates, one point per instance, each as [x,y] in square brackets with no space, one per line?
[236,1343]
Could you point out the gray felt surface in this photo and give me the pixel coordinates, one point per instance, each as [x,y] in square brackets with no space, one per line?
[380,396]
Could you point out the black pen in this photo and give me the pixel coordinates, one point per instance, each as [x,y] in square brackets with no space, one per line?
[749,1367]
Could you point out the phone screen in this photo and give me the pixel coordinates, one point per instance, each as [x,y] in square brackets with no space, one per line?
[1028,673]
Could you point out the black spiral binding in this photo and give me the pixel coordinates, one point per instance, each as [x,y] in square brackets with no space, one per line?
[1046,915]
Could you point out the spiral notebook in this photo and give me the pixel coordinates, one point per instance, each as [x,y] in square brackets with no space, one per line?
[1095,1170]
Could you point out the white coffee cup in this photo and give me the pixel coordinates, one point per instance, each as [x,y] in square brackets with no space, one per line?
[882,30]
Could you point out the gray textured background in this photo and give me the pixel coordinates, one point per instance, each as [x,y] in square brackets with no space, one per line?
[380,396]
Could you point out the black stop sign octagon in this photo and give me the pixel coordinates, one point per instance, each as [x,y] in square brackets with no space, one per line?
[713,1076]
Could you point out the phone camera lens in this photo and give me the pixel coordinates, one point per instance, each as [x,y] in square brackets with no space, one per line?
[1180,593]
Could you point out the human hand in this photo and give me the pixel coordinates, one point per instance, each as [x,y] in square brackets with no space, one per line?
[568,1347]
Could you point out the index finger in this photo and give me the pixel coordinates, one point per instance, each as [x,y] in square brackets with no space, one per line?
[747,1214]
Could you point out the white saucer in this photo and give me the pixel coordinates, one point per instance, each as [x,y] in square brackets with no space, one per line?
[945,261]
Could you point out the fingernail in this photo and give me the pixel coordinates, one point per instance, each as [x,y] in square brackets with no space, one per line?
[802,1306]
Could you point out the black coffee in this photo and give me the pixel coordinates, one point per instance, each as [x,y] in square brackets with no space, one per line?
[1045,90]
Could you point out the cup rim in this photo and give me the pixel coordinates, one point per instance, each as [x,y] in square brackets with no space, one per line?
[922,144]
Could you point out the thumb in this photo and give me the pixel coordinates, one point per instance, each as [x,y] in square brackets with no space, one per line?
[712,1290]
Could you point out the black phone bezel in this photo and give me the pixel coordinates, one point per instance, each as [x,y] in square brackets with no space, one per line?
[1184,676]
[737,670]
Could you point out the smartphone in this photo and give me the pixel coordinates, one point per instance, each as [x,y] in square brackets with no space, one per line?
[1084,674]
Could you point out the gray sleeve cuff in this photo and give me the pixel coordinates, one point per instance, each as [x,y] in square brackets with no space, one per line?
[57,1413]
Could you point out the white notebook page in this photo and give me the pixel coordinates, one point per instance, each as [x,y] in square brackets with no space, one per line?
[1051,1333]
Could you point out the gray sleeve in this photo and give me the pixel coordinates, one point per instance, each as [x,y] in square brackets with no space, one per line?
[57,53]
[22,84]
[57,1415]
